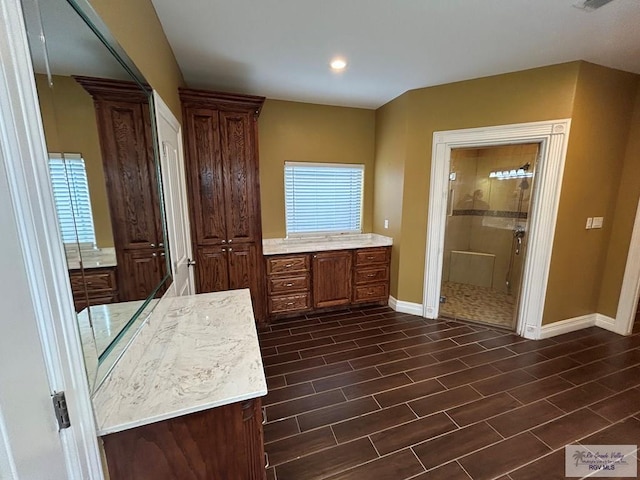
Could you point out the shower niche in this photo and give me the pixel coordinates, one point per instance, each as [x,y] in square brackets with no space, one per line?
[488,203]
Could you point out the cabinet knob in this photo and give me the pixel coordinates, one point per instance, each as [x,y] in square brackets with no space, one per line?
[154,254]
[224,241]
[152,245]
[190,263]
[161,245]
[230,249]
[224,250]
[230,240]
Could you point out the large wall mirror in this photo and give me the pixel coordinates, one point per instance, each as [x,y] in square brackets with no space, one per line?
[99,129]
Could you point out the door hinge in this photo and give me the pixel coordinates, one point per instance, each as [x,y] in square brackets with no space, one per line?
[61,411]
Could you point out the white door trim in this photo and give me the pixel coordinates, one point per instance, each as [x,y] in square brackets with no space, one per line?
[630,291]
[24,158]
[553,137]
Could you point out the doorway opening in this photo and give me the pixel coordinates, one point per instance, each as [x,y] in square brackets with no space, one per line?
[488,203]
[551,138]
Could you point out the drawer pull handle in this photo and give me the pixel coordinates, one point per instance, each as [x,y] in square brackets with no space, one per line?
[288,265]
[264,415]
[288,284]
[289,304]
[266,460]
[371,275]
[369,257]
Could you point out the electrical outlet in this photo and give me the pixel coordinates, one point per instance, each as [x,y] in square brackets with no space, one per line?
[597,222]
[589,223]
[386,223]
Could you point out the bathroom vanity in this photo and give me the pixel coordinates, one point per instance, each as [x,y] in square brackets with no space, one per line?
[183,401]
[326,272]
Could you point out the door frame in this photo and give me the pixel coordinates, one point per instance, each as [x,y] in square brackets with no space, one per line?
[630,290]
[553,138]
[49,303]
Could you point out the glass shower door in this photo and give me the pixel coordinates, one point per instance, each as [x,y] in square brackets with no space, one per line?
[490,189]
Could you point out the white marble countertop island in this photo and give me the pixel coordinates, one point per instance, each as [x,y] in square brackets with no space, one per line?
[193,353]
[279,246]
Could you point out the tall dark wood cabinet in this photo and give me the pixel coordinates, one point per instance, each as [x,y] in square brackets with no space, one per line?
[221,147]
[124,129]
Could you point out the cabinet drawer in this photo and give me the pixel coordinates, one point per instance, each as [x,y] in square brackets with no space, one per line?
[94,281]
[289,303]
[371,275]
[282,284]
[368,256]
[370,293]
[288,264]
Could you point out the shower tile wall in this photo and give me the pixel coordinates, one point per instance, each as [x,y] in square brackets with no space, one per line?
[489,233]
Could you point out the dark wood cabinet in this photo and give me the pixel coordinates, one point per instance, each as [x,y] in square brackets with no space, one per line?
[221,145]
[371,275]
[332,278]
[93,286]
[126,144]
[221,443]
[335,279]
[289,284]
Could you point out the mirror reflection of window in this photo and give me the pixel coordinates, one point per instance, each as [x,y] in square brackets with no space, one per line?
[73,203]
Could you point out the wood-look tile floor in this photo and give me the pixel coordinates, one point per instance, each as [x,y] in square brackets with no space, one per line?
[373,394]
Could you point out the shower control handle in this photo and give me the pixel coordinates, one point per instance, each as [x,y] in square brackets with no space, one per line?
[518,234]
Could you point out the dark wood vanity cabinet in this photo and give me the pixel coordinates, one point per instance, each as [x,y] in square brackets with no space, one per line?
[299,283]
[126,144]
[221,149]
[221,443]
[94,286]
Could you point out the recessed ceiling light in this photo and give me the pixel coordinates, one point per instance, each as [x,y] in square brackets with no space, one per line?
[338,64]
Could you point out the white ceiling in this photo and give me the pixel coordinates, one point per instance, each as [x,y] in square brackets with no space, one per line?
[281,48]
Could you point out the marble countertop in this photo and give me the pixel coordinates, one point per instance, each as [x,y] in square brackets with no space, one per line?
[91,258]
[193,353]
[278,246]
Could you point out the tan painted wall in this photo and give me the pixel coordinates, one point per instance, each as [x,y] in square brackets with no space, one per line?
[391,141]
[597,142]
[531,95]
[304,132]
[623,218]
[136,27]
[69,120]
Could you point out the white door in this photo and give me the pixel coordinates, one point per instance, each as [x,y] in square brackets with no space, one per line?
[40,350]
[175,198]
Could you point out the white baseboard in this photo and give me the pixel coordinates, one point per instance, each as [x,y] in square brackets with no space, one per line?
[610,324]
[405,307]
[568,325]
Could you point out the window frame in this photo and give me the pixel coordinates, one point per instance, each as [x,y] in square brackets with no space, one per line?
[302,234]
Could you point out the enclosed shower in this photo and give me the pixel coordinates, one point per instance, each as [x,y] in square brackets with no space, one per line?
[490,191]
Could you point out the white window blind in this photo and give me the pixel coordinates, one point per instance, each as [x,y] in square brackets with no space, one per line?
[323,197]
[71,195]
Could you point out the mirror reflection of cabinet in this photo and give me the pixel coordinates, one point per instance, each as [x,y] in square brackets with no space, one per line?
[126,143]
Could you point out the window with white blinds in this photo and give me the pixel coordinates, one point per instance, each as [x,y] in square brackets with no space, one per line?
[71,195]
[323,197]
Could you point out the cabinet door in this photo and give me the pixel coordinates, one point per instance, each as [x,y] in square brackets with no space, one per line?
[244,272]
[127,155]
[204,176]
[139,273]
[240,169]
[212,273]
[331,279]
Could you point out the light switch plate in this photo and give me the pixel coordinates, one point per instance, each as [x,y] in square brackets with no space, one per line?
[597,222]
[589,223]
[386,223]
